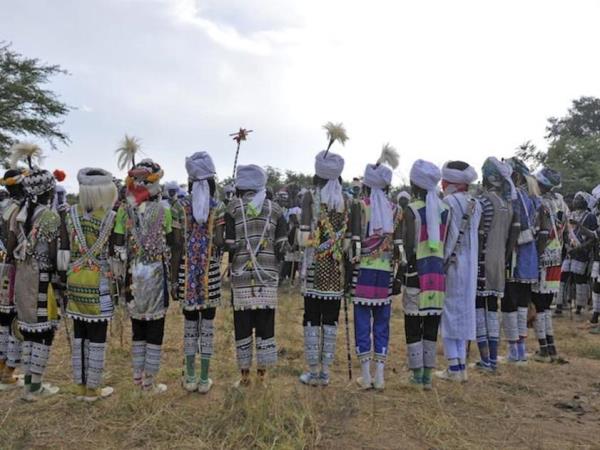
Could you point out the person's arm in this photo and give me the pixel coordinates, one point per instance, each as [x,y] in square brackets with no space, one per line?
[306,219]
[410,243]
[230,233]
[356,230]
[513,234]
[545,226]
[281,236]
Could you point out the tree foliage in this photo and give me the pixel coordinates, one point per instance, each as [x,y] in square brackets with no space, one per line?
[27,108]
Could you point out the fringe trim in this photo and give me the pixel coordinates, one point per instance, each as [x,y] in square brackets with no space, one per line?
[252,308]
[370,302]
[4,309]
[38,327]
[88,319]
[148,317]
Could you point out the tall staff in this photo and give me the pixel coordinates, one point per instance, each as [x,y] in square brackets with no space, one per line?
[238,137]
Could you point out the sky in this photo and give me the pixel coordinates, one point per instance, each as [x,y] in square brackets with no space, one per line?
[437,79]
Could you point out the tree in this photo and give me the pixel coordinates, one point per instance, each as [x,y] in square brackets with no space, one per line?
[530,154]
[26,107]
[582,120]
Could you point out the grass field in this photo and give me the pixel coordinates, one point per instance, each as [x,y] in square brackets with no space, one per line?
[538,406]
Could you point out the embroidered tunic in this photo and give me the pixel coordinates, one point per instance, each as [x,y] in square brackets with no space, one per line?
[425,277]
[199,281]
[35,263]
[89,282]
[324,255]
[372,280]
[523,266]
[7,269]
[255,236]
[553,215]
[146,228]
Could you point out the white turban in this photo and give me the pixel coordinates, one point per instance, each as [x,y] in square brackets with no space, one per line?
[252,178]
[457,176]
[427,175]
[200,167]
[378,177]
[590,200]
[403,194]
[596,192]
[329,166]
[503,169]
[171,186]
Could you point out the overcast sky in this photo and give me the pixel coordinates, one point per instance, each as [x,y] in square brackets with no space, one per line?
[437,79]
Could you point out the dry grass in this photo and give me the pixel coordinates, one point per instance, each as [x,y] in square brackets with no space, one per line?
[539,406]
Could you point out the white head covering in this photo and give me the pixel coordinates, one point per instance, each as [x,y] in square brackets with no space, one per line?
[403,194]
[427,175]
[589,199]
[378,177]
[505,171]
[596,192]
[466,176]
[329,166]
[252,178]
[200,167]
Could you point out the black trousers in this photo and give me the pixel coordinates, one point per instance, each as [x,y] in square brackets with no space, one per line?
[45,337]
[321,312]
[91,331]
[490,303]
[208,314]
[6,319]
[262,321]
[515,295]
[418,328]
[541,302]
[151,331]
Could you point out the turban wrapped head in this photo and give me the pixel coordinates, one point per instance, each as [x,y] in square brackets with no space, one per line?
[37,182]
[499,174]
[549,178]
[457,176]
[252,178]
[200,167]
[378,177]
[518,166]
[97,189]
[143,181]
[426,176]
[329,166]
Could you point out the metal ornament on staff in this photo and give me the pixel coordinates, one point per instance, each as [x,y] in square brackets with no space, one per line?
[238,137]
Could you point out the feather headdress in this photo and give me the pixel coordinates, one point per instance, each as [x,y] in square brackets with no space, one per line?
[27,152]
[127,151]
[389,156]
[335,132]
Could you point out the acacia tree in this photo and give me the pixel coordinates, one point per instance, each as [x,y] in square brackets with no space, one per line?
[27,108]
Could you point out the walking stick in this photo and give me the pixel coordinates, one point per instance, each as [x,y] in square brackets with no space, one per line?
[345,300]
[240,136]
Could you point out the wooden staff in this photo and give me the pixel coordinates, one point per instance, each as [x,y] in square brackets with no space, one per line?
[239,136]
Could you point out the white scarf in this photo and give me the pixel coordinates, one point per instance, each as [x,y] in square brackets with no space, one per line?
[258,199]
[381,212]
[332,196]
[200,200]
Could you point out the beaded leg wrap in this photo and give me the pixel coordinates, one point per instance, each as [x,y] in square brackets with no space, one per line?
[26,357]
[540,325]
[429,354]
[39,358]
[243,350]
[582,293]
[493,326]
[510,324]
[329,344]
[481,325]
[596,302]
[190,337]
[77,360]
[562,299]
[522,314]
[138,357]
[415,355]
[14,352]
[312,344]
[266,352]
[152,360]
[95,364]
[207,338]
[4,336]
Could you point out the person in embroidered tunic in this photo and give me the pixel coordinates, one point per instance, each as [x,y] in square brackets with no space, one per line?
[460,256]
[32,245]
[147,224]
[84,256]
[10,346]
[554,214]
[498,232]
[426,219]
[595,273]
[522,263]
[256,233]
[578,256]
[323,228]
[372,284]
[199,281]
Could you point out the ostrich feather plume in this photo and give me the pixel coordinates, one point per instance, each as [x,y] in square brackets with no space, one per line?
[335,132]
[25,151]
[389,156]
[127,151]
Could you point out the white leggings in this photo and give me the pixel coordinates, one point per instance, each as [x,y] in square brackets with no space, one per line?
[455,349]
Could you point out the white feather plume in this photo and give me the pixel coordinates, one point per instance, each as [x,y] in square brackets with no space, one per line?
[389,156]
[127,151]
[336,132]
[25,151]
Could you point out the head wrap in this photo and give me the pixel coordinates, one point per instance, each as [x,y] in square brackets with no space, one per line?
[143,181]
[427,175]
[498,174]
[200,167]
[252,178]
[96,189]
[37,182]
[589,199]
[12,177]
[596,192]
[518,166]
[403,194]
[171,186]
[329,166]
[456,176]
[378,177]
[548,178]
